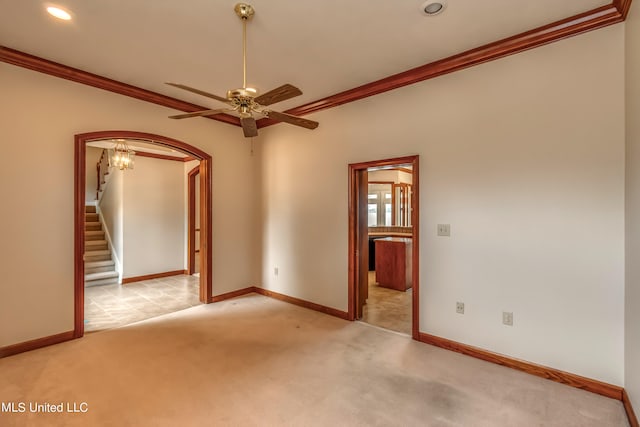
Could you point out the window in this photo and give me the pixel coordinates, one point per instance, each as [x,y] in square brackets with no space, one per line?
[380,206]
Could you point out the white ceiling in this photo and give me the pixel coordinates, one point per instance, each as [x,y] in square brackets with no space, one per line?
[323,47]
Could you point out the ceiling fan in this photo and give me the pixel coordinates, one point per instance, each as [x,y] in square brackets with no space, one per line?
[245,100]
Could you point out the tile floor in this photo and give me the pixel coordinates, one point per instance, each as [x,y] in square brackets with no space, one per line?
[388,308]
[110,306]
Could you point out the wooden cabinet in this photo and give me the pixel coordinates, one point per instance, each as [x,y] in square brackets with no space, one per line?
[393,262]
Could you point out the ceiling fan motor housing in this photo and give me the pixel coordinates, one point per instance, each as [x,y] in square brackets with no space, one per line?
[243,92]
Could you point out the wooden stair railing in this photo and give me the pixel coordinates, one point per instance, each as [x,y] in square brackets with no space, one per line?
[102,169]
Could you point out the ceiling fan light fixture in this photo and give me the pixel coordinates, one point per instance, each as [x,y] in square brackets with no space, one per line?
[432,8]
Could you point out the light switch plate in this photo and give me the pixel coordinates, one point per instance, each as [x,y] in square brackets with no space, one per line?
[444,230]
[507,318]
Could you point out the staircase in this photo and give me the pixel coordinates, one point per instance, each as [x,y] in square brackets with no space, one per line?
[99,268]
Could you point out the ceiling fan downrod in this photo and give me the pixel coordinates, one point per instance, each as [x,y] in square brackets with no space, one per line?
[244,12]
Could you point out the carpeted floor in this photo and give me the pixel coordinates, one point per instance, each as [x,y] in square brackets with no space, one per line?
[255,361]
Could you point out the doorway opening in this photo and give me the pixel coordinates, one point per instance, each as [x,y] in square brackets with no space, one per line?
[202,284]
[383,243]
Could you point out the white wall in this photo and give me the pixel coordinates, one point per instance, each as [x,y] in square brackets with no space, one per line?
[632,294]
[112,213]
[153,217]
[43,114]
[524,157]
[91,175]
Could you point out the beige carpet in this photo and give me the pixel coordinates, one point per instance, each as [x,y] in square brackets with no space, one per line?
[255,361]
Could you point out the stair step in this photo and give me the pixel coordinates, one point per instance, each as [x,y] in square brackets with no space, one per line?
[91,217]
[100,282]
[92,226]
[99,255]
[94,235]
[102,275]
[92,245]
[90,209]
[93,264]
[99,266]
[92,270]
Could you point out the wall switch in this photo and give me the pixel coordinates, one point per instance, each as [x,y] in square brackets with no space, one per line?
[460,307]
[507,318]
[275,271]
[444,230]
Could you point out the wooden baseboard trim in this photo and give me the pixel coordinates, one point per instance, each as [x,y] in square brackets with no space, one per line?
[631,415]
[302,303]
[153,276]
[552,374]
[233,294]
[36,343]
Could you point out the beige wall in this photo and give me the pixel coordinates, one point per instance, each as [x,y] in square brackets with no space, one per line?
[41,114]
[524,157]
[112,214]
[154,220]
[632,295]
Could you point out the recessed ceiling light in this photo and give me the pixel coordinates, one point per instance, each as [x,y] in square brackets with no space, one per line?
[59,13]
[431,7]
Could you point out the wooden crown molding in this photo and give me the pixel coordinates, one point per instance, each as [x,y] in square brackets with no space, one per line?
[623,7]
[591,20]
[45,66]
[164,156]
[574,25]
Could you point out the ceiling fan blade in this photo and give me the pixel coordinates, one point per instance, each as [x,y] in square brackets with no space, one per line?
[294,120]
[198,91]
[284,92]
[198,113]
[249,126]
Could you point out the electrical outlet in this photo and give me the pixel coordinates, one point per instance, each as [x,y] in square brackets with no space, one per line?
[275,271]
[444,230]
[507,318]
[460,307]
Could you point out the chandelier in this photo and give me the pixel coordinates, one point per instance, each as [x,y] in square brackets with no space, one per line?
[121,155]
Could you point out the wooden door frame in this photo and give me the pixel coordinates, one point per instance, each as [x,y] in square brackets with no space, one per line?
[79,210]
[191,227]
[354,170]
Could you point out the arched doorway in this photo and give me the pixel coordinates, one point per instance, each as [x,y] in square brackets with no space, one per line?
[79,211]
